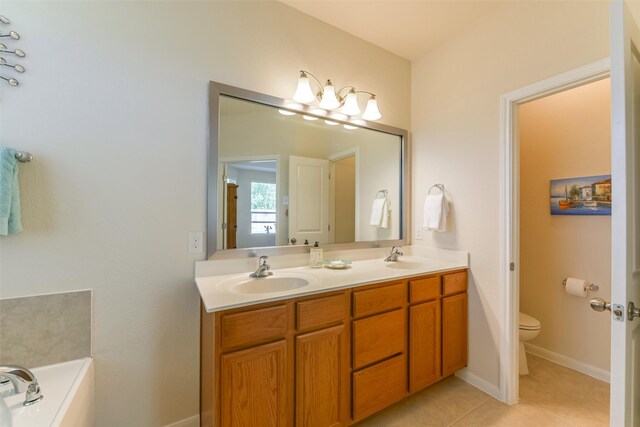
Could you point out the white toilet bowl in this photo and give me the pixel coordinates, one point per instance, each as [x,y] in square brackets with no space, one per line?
[529,328]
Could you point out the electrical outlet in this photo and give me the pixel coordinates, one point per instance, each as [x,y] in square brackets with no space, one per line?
[196,242]
[418,233]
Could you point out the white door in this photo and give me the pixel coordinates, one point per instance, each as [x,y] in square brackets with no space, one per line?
[625,221]
[308,199]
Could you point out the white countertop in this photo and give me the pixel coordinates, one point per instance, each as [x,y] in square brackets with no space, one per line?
[218,294]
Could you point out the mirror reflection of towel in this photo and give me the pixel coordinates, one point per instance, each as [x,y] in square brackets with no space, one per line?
[380,212]
[436,208]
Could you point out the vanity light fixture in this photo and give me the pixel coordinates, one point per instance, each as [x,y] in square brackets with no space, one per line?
[310,118]
[350,127]
[286,112]
[331,100]
[331,123]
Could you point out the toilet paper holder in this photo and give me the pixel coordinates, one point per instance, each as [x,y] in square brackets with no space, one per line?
[591,287]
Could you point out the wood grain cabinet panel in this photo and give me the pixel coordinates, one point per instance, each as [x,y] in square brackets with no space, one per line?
[454,283]
[253,327]
[424,289]
[378,300]
[378,337]
[320,312]
[254,386]
[320,371]
[424,345]
[379,386]
[454,333]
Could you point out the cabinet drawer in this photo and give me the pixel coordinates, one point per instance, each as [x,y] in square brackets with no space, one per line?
[378,337]
[379,386]
[372,301]
[321,312]
[454,283]
[253,327]
[424,289]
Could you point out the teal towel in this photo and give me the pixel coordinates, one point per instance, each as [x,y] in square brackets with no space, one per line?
[9,192]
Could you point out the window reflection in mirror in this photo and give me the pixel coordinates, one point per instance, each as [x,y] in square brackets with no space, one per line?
[285,179]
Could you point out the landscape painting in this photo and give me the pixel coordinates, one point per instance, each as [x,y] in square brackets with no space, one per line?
[589,195]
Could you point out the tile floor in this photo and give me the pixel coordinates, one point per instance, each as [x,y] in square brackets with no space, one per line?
[551,395]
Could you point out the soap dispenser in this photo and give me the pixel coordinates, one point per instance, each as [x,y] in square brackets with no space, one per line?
[315,256]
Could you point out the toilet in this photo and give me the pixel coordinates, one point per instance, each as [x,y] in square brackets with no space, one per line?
[529,328]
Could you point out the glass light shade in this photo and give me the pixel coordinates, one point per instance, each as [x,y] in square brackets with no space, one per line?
[329,99]
[372,112]
[351,107]
[310,118]
[286,113]
[303,91]
[350,127]
[331,123]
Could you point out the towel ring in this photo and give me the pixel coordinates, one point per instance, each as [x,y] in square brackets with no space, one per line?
[385,193]
[438,186]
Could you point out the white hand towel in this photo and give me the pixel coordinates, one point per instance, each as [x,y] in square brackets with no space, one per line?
[379,213]
[436,208]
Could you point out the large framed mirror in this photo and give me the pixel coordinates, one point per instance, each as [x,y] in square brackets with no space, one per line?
[282,176]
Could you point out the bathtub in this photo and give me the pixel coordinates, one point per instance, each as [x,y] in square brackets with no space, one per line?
[68,397]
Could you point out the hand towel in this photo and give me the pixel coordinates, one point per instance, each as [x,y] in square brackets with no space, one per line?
[380,213]
[9,193]
[436,208]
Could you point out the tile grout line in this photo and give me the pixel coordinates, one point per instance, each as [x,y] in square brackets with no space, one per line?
[470,411]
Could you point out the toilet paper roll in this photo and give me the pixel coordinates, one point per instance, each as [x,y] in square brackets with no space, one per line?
[576,287]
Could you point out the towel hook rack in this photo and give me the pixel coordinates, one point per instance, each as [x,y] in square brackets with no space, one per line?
[24,157]
[385,192]
[438,186]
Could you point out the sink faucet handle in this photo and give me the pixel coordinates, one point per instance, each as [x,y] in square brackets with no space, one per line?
[264,260]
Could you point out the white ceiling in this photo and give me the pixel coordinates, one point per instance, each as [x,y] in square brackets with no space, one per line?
[407,28]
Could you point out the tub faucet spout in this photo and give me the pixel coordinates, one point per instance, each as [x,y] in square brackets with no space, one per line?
[23,381]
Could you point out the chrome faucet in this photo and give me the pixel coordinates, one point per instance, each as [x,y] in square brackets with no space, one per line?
[22,380]
[393,256]
[263,268]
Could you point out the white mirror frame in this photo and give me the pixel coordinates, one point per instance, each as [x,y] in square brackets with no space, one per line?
[218,89]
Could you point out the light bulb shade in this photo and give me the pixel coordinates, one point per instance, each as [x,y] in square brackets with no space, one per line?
[351,107]
[303,91]
[329,99]
[372,112]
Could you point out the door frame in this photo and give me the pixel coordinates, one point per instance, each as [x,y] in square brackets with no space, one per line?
[354,151]
[510,211]
[222,191]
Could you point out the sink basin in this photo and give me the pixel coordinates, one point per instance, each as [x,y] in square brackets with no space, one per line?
[279,282]
[405,265]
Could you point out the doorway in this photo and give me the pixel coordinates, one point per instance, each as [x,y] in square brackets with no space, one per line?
[511,255]
[564,145]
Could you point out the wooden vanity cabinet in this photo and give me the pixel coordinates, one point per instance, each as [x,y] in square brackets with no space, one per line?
[333,359]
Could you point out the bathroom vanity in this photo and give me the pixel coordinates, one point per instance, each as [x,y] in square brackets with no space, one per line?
[331,358]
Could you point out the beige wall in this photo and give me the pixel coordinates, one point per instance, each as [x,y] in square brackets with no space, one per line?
[562,136]
[114,108]
[344,184]
[455,123]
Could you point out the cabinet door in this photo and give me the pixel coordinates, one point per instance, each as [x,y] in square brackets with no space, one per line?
[424,341]
[254,387]
[454,333]
[320,378]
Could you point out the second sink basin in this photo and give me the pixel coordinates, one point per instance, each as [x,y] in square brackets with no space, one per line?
[279,282]
[405,265]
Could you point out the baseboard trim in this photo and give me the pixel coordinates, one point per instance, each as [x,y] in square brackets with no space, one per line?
[187,422]
[592,371]
[479,383]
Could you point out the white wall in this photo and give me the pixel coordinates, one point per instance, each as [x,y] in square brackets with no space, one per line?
[455,124]
[562,136]
[114,108]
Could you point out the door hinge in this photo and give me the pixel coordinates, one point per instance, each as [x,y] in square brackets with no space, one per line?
[512,266]
[224,225]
